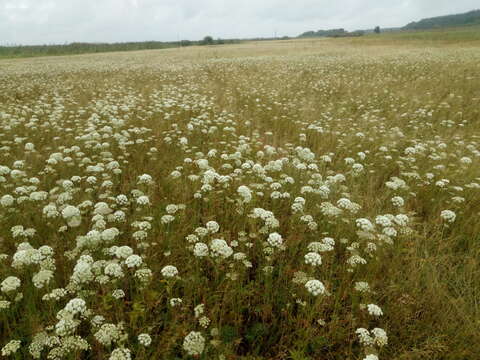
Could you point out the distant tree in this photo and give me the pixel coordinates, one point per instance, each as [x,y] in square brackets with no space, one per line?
[185,43]
[377,30]
[308,34]
[208,40]
[220,41]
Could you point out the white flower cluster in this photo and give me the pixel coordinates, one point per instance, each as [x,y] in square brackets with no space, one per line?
[275,240]
[313,258]
[11,348]
[374,310]
[72,215]
[245,193]
[194,343]
[376,337]
[10,284]
[144,339]
[169,271]
[315,287]
[448,216]
[108,334]
[220,248]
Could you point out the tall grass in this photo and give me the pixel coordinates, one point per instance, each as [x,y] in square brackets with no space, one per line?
[348,151]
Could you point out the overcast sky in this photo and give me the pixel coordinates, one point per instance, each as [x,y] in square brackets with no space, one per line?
[62,21]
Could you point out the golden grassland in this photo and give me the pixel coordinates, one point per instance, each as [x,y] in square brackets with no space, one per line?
[264,200]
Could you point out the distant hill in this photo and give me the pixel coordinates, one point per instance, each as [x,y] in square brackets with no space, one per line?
[468,18]
[465,19]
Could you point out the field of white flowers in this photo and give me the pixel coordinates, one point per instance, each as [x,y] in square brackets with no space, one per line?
[284,200]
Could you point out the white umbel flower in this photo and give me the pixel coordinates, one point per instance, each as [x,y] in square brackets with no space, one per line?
[11,283]
[133,261]
[70,211]
[194,343]
[7,200]
[120,354]
[76,306]
[113,270]
[143,200]
[169,271]
[315,287]
[212,226]
[200,249]
[374,310]
[398,201]
[448,215]
[364,337]
[220,248]
[381,338]
[11,348]
[72,215]
[364,224]
[144,339]
[314,259]
[275,239]
[245,193]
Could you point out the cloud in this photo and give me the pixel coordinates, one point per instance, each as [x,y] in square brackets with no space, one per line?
[60,21]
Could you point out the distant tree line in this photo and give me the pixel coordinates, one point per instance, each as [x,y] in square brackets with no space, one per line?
[83,48]
[331,33]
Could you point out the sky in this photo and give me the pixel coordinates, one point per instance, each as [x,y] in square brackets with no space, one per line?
[29,22]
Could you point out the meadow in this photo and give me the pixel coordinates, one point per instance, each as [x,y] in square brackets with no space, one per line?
[304,200]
